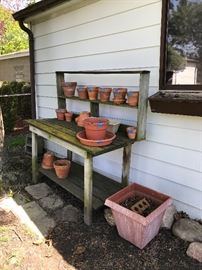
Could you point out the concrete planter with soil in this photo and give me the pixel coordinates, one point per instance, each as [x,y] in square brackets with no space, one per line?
[133,227]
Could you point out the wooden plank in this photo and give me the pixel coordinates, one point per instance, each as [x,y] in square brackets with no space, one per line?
[66,131]
[34,158]
[126,165]
[88,184]
[142,108]
[103,186]
[60,79]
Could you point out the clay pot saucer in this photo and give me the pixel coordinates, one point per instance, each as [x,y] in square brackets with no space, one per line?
[108,139]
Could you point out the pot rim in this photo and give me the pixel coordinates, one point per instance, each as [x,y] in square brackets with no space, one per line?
[63,163]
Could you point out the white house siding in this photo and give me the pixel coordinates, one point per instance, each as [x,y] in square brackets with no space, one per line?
[113,34]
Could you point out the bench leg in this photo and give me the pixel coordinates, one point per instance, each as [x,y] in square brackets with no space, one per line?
[88,183]
[34,158]
[126,165]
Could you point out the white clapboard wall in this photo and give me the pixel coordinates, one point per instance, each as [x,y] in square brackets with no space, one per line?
[122,34]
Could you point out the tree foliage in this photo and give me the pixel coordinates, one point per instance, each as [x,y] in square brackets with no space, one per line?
[12,38]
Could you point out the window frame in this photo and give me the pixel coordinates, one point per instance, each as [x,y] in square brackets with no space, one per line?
[163,58]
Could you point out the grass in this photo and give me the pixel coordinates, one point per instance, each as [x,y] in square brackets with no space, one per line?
[17,141]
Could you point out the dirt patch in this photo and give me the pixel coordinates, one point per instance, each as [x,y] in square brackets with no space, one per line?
[19,251]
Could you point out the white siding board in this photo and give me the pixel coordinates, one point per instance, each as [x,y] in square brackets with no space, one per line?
[46,91]
[131,21]
[90,14]
[116,60]
[47,102]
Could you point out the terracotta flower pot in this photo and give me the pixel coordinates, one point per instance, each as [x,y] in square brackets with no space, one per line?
[95,128]
[119,93]
[133,97]
[62,168]
[131,132]
[105,94]
[47,161]
[133,227]
[61,114]
[82,92]
[119,101]
[69,88]
[80,119]
[93,93]
[68,116]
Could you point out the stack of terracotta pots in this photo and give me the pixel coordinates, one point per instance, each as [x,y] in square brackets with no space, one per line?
[95,128]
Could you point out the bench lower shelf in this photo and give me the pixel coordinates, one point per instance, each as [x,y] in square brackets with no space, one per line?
[103,186]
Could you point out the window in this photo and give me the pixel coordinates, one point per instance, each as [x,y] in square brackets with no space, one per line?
[181,45]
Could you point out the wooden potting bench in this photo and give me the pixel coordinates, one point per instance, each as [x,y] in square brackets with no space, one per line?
[91,187]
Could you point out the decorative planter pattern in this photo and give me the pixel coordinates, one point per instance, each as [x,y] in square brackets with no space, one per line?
[62,168]
[95,128]
[69,88]
[132,226]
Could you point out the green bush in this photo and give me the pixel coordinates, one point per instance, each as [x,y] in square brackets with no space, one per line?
[14,107]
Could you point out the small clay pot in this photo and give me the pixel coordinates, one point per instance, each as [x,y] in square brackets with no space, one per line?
[69,88]
[47,161]
[119,101]
[95,128]
[133,97]
[68,116]
[119,93]
[62,168]
[105,94]
[61,114]
[93,93]
[80,119]
[82,92]
[131,132]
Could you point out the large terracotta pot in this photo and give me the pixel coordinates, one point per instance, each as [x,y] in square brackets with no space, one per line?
[62,168]
[69,88]
[95,128]
[47,161]
[105,94]
[133,227]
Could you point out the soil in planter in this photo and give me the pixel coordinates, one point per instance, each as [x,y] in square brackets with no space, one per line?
[129,202]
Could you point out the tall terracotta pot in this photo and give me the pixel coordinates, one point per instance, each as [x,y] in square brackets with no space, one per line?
[47,161]
[82,92]
[105,94]
[93,93]
[133,97]
[62,168]
[69,88]
[95,128]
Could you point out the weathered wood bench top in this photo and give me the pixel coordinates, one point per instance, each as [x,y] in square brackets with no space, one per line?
[67,132]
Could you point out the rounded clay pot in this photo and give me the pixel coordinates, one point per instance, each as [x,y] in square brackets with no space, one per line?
[133,97]
[80,119]
[105,94]
[69,88]
[82,92]
[61,114]
[131,132]
[119,93]
[93,92]
[47,161]
[62,168]
[68,116]
[95,128]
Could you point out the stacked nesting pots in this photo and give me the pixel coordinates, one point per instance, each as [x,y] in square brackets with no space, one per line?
[119,95]
[96,128]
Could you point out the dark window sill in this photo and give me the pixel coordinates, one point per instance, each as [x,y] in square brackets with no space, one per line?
[177,102]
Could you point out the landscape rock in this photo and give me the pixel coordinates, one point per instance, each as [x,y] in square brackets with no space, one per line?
[168,217]
[21,199]
[188,230]
[39,191]
[195,251]
[68,213]
[51,202]
[109,217]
